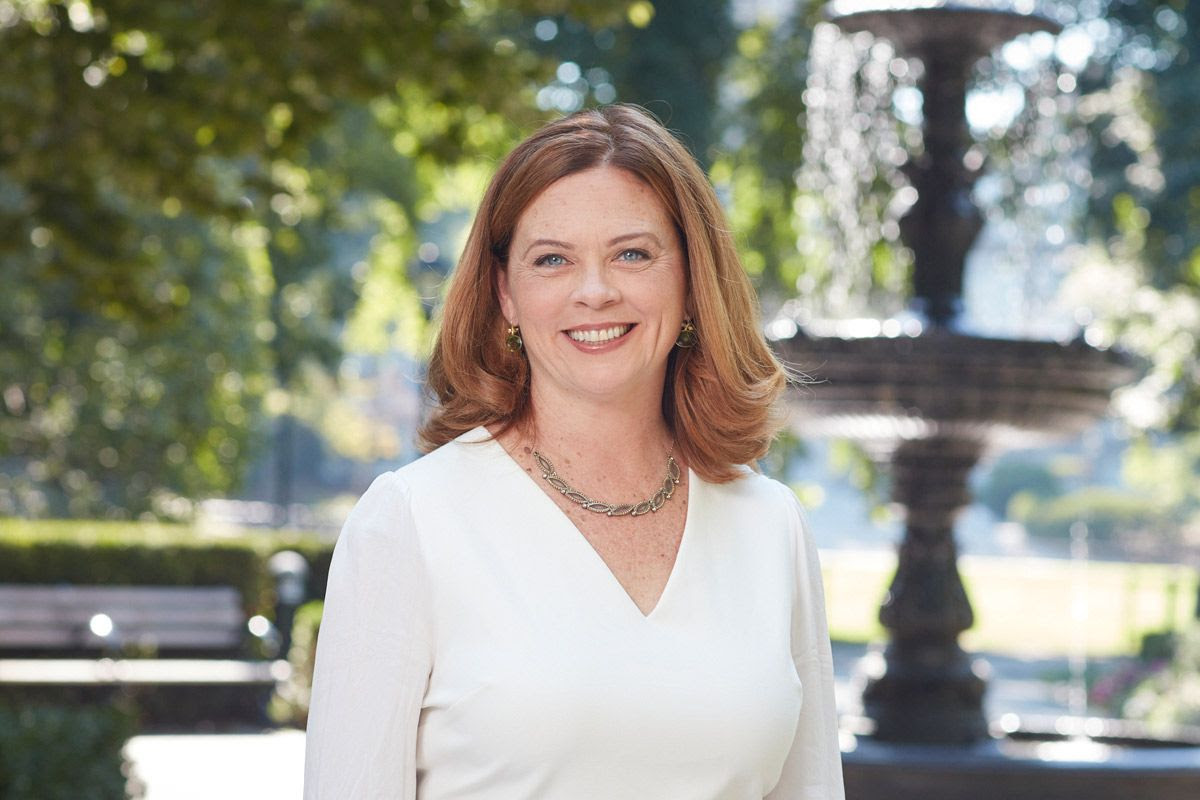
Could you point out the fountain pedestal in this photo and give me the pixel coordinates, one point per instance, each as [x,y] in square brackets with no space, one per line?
[928,690]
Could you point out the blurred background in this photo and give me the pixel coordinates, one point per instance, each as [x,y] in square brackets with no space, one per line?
[225,228]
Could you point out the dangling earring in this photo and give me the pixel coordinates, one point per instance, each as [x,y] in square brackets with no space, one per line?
[687,335]
[512,342]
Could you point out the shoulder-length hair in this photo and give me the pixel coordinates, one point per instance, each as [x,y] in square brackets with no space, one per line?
[719,396]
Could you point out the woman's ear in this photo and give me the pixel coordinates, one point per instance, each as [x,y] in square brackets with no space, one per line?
[507,307]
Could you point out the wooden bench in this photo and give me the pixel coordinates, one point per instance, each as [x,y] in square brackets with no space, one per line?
[56,637]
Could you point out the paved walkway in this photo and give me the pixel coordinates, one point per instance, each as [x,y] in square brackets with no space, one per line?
[243,766]
[269,766]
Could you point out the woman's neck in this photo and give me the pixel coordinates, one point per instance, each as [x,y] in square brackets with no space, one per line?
[599,435]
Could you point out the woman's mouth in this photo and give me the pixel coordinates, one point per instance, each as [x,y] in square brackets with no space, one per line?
[599,335]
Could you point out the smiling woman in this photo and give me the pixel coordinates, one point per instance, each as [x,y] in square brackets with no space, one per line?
[583,591]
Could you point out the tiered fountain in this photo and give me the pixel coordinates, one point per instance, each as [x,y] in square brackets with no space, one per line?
[931,404]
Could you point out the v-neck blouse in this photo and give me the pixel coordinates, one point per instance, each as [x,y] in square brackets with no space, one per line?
[475,645]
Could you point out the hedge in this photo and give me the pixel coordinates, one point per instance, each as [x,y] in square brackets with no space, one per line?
[50,753]
[154,554]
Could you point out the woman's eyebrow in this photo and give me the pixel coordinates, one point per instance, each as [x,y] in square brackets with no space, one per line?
[549,242]
[625,237]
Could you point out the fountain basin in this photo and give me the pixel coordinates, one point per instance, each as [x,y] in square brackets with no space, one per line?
[883,390]
[918,29]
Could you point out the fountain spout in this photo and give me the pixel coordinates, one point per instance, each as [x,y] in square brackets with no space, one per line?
[942,224]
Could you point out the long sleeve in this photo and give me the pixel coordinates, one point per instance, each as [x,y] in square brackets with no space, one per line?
[813,769]
[374,655]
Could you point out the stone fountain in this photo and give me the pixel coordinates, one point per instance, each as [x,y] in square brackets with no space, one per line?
[929,403]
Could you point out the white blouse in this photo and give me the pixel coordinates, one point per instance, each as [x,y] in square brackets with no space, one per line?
[474,645]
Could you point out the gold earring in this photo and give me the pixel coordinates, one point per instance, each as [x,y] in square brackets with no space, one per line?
[687,335]
[513,341]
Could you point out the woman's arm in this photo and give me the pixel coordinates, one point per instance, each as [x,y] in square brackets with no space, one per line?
[373,656]
[813,770]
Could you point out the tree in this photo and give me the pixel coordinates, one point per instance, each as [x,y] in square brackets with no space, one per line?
[1145,203]
[764,132]
[163,195]
[667,56]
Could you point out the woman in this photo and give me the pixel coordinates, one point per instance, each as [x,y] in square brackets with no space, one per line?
[582,591]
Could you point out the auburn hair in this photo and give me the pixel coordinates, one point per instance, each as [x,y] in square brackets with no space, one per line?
[720,396]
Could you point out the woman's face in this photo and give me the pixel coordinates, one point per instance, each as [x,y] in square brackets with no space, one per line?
[596,281]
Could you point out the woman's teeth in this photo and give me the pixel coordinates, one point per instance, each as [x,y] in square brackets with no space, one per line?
[599,336]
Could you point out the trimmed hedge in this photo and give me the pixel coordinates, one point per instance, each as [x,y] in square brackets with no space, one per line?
[153,554]
[49,753]
[162,708]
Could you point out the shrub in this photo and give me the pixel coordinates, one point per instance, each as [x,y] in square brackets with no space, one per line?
[153,554]
[1169,695]
[1109,513]
[289,706]
[1009,477]
[50,753]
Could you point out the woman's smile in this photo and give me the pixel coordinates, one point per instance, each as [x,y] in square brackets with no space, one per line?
[593,337]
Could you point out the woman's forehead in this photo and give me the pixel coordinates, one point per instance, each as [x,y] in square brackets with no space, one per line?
[595,200]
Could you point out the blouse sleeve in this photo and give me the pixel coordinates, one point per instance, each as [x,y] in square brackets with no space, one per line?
[813,769]
[374,655]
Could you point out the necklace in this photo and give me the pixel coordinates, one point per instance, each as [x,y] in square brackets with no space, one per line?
[655,502]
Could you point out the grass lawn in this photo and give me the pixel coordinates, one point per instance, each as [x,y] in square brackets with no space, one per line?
[1026,606]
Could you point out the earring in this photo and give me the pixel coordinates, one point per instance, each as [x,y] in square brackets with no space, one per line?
[687,335]
[512,342]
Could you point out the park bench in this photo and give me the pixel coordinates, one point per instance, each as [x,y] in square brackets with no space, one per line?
[96,639]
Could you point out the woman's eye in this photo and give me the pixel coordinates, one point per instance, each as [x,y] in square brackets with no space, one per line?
[550,260]
[633,255]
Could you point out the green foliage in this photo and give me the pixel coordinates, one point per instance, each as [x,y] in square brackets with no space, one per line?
[157,707]
[852,461]
[102,408]
[290,704]
[1170,694]
[762,148]
[1159,173]
[1109,513]
[1138,104]
[153,554]
[666,56]
[49,753]
[192,199]
[1165,471]
[132,554]
[1009,477]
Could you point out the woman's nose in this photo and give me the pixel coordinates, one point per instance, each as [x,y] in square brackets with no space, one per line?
[596,287]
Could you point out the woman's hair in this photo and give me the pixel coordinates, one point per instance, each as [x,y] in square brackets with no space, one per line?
[720,395]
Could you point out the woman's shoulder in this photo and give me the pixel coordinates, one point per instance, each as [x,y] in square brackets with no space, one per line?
[474,449]
[770,504]
[754,487]
[443,467]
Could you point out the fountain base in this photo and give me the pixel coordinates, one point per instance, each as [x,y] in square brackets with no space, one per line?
[1046,767]
[933,700]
